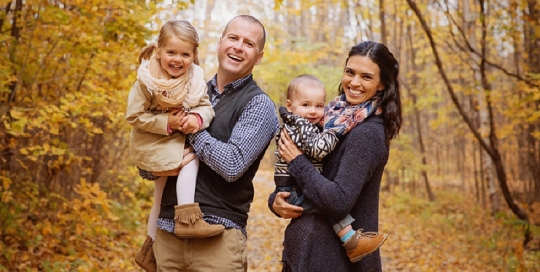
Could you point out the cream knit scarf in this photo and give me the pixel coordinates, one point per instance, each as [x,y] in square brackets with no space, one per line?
[184,91]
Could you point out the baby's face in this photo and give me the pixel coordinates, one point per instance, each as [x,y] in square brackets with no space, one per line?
[307,102]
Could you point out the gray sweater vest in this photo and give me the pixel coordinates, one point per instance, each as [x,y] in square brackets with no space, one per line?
[215,195]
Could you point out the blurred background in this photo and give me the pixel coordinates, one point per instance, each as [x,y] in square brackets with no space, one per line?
[461,191]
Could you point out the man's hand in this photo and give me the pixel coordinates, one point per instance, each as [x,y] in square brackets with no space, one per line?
[284,209]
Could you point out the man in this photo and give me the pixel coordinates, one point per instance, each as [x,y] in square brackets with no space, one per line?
[230,151]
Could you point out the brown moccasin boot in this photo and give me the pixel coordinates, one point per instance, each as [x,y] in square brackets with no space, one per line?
[145,257]
[362,244]
[190,224]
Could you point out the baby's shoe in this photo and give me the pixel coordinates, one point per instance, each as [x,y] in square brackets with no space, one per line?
[362,244]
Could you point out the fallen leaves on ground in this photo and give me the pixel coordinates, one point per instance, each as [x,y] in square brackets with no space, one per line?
[451,234]
[93,233]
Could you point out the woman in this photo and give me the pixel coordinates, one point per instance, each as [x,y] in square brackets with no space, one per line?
[351,177]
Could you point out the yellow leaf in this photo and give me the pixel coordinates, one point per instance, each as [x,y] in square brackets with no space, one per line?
[22,164]
[6,182]
[46,230]
[97,131]
[79,229]
[16,114]
[46,147]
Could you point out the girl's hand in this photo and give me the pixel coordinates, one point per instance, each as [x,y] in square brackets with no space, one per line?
[284,209]
[189,124]
[286,148]
[175,118]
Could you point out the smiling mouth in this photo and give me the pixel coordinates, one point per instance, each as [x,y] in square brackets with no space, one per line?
[176,66]
[235,58]
[355,92]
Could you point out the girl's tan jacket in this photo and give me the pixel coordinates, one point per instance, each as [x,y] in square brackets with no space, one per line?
[151,147]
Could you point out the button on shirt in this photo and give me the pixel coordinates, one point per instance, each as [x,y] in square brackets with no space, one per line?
[251,134]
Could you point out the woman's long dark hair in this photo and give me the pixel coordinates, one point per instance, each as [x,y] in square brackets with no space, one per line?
[391,98]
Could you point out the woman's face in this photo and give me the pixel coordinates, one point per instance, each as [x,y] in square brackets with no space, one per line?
[361,79]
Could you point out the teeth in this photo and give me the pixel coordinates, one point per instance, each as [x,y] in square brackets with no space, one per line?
[354,92]
[235,57]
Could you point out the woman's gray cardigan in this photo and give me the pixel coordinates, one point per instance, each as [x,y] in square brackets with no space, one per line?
[350,183]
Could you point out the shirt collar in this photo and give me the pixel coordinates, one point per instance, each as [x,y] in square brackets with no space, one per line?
[229,87]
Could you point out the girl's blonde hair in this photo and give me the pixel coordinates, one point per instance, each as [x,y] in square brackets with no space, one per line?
[175,28]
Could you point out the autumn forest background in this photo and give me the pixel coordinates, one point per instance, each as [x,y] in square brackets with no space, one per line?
[461,191]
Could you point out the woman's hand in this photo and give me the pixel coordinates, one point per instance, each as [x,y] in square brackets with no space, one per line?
[286,148]
[284,209]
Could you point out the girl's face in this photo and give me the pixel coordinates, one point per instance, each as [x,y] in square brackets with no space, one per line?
[176,56]
[361,79]
[307,101]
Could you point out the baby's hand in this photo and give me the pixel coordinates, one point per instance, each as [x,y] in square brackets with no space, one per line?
[189,124]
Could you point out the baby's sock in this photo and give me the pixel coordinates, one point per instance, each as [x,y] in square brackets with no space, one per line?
[347,236]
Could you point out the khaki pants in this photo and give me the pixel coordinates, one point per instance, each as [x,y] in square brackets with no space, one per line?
[225,252]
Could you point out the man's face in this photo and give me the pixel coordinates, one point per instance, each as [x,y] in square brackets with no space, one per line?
[239,49]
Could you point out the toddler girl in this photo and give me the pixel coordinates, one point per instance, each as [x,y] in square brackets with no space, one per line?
[168,101]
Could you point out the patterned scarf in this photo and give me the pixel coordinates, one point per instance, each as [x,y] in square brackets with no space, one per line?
[184,91]
[340,117]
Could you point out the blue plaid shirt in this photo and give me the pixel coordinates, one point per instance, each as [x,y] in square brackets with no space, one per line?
[253,131]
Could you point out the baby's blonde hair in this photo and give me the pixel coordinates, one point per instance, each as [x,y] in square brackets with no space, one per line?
[180,29]
[303,79]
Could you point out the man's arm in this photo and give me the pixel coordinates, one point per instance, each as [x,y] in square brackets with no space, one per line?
[250,136]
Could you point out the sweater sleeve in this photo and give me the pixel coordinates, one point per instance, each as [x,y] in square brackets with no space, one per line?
[250,136]
[318,145]
[307,136]
[362,151]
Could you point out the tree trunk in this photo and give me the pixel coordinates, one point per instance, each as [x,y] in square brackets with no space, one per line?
[207,26]
[533,67]
[383,24]
[482,176]
[414,84]
[492,147]
[482,89]
[6,153]
[475,176]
